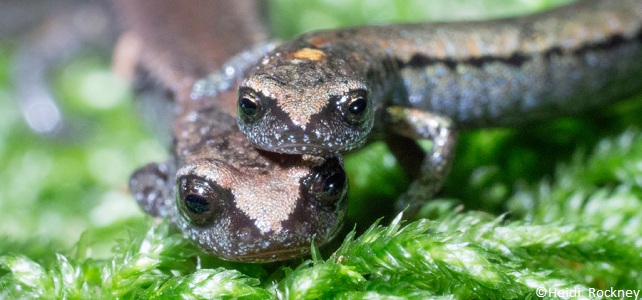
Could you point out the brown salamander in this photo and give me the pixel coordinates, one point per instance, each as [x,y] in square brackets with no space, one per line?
[325,91]
[322,91]
[235,201]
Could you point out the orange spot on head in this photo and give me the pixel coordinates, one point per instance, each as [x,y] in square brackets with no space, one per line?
[309,54]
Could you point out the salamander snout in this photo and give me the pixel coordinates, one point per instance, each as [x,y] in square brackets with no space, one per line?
[255,217]
[322,122]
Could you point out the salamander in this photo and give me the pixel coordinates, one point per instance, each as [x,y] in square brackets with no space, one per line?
[235,201]
[329,91]
[322,91]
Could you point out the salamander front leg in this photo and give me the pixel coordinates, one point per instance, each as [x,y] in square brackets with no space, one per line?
[406,125]
[149,186]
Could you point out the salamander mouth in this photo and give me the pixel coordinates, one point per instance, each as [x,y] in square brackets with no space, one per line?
[301,148]
[285,253]
[276,255]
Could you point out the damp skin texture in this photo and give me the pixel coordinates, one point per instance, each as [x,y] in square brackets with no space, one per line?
[231,199]
[304,96]
[259,206]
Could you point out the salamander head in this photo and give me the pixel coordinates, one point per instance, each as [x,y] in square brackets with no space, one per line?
[246,215]
[305,101]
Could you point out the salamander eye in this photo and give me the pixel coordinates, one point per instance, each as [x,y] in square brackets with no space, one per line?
[329,184]
[199,201]
[353,107]
[357,106]
[249,107]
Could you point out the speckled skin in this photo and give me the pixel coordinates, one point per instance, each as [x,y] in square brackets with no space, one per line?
[479,74]
[235,201]
[267,205]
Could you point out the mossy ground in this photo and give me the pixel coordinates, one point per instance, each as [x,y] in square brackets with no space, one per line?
[557,205]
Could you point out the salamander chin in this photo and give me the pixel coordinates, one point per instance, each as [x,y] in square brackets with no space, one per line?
[301,143]
[302,148]
[277,255]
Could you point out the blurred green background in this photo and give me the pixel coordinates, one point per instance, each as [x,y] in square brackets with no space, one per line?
[53,190]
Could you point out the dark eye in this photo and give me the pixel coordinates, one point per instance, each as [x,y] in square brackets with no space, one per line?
[199,201]
[196,204]
[354,107]
[334,184]
[249,106]
[358,106]
[329,184]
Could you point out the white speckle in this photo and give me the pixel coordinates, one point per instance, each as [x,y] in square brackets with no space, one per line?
[191,117]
